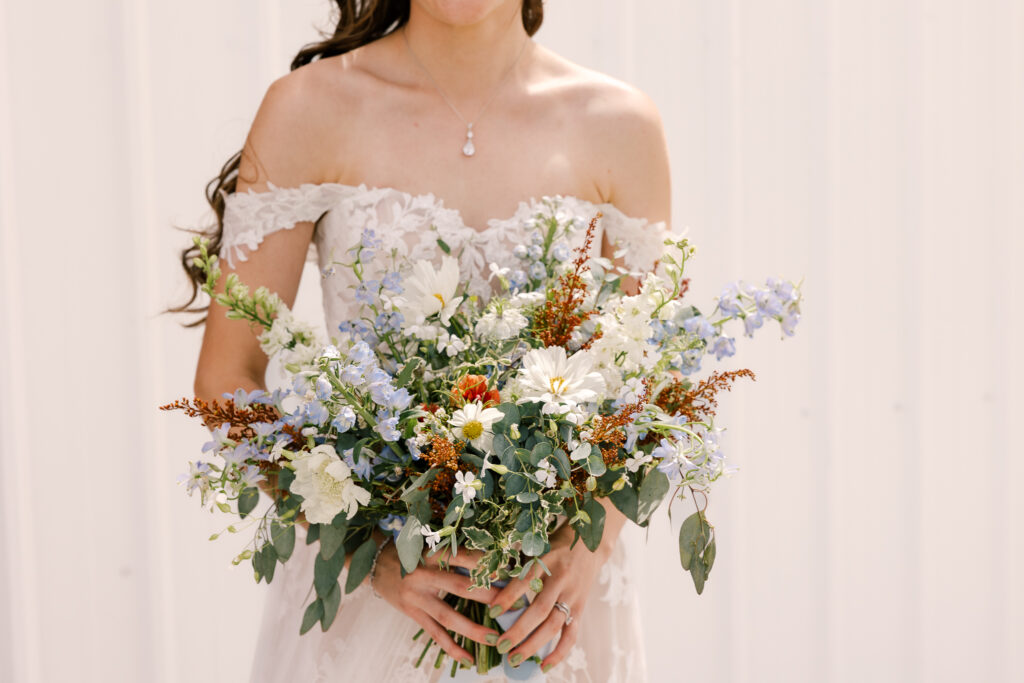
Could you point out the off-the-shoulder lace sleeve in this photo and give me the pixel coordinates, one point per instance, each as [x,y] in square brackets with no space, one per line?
[644,241]
[250,216]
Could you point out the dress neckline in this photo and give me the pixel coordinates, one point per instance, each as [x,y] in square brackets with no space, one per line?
[438,202]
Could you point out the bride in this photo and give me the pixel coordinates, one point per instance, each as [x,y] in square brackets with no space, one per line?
[427,119]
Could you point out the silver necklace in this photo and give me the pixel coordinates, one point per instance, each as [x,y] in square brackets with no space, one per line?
[468,149]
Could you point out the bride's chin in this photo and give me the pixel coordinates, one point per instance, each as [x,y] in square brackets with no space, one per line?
[462,12]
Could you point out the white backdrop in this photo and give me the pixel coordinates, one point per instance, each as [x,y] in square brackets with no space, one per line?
[874,147]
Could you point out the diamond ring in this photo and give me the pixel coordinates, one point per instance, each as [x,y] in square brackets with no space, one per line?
[564,608]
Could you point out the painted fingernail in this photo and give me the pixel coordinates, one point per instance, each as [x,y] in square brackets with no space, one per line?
[519,604]
[546,668]
[504,646]
[467,662]
[491,638]
[495,611]
[516,658]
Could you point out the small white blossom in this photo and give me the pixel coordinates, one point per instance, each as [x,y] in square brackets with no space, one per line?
[499,325]
[466,485]
[545,474]
[432,537]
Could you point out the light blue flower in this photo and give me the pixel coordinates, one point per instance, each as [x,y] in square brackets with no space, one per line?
[789,322]
[664,449]
[399,399]
[250,475]
[752,322]
[700,326]
[392,282]
[723,347]
[344,420]
[367,291]
[316,413]
[363,467]
[768,303]
[413,449]
[519,251]
[392,524]
[535,251]
[323,388]
[538,271]
[560,252]
[728,301]
[536,237]
[387,426]
[352,375]
[517,279]
[361,353]
[369,239]
[689,361]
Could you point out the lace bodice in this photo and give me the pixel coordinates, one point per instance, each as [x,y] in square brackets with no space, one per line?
[410,224]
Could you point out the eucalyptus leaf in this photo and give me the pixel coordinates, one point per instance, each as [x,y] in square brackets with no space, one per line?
[314,613]
[331,603]
[419,487]
[247,501]
[410,544]
[533,544]
[313,535]
[542,450]
[595,463]
[326,572]
[592,532]
[527,497]
[652,491]
[626,501]
[514,483]
[331,538]
[283,538]
[709,556]
[562,464]
[359,566]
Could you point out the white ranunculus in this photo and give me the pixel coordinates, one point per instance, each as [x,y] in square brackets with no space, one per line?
[474,423]
[429,291]
[325,483]
[559,382]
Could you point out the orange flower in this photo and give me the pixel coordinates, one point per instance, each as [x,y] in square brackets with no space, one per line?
[474,388]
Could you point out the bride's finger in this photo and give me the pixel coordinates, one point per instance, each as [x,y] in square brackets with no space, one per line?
[544,634]
[442,613]
[467,559]
[561,650]
[533,617]
[441,636]
[461,586]
[513,590]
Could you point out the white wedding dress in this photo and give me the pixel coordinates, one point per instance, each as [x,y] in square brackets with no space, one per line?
[369,640]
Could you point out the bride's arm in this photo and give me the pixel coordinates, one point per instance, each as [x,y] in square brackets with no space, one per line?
[279,148]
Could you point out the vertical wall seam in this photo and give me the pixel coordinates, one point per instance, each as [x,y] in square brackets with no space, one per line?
[16,482]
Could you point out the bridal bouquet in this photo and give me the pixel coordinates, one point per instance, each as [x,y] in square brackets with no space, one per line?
[451,422]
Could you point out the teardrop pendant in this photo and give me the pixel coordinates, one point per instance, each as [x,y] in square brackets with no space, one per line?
[469,149]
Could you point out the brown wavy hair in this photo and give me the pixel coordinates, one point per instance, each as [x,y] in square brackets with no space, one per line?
[359,22]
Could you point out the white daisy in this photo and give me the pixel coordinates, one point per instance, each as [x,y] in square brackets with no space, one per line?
[472,422]
[557,381]
[429,291]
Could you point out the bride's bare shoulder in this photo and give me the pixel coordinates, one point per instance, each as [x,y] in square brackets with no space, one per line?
[296,131]
[617,125]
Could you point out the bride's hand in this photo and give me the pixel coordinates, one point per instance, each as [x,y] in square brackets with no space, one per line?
[573,572]
[417,596]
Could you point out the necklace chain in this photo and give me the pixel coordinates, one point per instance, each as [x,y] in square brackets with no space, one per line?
[469,148]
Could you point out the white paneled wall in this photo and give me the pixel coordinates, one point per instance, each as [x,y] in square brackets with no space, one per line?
[875,148]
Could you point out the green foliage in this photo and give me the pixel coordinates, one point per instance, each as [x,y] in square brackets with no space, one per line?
[247,501]
[283,538]
[592,530]
[697,548]
[313,614]
[359,566]
[410,544]
[652,491]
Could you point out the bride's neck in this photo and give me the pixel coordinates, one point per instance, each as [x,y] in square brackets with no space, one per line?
[466,59]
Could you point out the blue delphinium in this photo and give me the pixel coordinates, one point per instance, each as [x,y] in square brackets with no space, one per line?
[387,426]
[560,252]
[392,281]
[344,420]
[723,346]
[517,279]
[700,326]
[538,271]
[367,291]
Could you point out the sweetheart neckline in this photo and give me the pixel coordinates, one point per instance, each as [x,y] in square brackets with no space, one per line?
[438,201]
